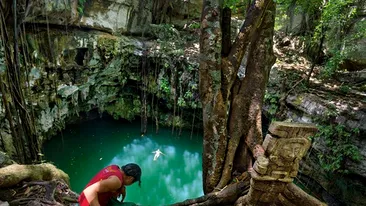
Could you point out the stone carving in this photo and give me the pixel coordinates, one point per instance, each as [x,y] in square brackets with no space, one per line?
[284,156]
[274,171]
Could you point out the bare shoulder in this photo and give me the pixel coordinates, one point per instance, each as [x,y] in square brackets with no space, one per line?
[112,183]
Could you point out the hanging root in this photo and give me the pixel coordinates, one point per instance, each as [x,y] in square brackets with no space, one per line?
[14,174]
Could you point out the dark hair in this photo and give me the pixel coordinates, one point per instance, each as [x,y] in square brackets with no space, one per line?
[134,171]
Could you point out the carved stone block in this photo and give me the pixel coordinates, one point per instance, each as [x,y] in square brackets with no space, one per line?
[292,129]
[273,172]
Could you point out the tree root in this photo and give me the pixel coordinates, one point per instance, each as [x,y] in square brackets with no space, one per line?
[46,193]
[48,186]
[226,196]
[14,174]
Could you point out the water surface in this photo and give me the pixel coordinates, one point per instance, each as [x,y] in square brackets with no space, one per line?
[82,150]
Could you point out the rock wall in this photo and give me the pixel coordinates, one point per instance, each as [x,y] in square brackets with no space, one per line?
[324,106]
[348,187]
[118,16]
[74,71]
[84,71]
[113,16]
[351,42]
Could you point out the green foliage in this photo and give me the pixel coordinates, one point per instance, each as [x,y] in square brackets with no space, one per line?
[329,114]
[336,17]
[363,88]
[236,6]
[188,95]
[335,23]
[231,4]
[280,18]
[175,73]
[332,65]
[307,6]
[178,122]
[181,102]
[272,100]
[80,8]
[194,25]
[125,108]
[331,21]
[338,12]
[164,32]
[344,89]
[339,147]
[108,47]
[165,86]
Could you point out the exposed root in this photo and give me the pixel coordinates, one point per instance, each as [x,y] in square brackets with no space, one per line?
[14,174]
[48,185]
[54,192]
[226,196]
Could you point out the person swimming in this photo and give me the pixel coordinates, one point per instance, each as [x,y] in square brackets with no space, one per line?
[157,154]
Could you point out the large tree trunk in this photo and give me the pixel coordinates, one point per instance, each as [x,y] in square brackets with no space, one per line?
[214,107]
[220,104]
[248,101]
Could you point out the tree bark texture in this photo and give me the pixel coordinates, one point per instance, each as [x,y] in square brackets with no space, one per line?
[245,122]
[213,104]
[225,114]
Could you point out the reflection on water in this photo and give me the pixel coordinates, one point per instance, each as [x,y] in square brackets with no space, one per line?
[175,176]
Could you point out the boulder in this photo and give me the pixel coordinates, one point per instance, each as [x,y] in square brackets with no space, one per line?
[66,91]
[355,58]
[311,105]
[4,203]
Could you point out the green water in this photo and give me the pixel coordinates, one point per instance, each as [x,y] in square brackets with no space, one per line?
[82,150]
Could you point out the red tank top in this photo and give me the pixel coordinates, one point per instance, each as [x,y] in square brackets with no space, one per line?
[102,175]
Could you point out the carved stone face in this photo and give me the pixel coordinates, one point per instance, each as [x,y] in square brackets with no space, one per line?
[289,152]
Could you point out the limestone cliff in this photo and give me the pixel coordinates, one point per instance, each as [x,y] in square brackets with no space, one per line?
[107,56]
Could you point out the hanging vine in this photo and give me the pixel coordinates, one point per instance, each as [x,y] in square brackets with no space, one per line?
[161,11]
[144,87]
[23,129]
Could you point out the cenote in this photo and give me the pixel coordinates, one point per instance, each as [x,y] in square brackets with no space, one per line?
[82,150]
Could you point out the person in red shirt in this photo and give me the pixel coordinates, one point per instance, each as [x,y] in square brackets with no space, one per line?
[109,183]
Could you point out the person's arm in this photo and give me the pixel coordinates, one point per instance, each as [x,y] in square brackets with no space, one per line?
[108,185]
[123,193]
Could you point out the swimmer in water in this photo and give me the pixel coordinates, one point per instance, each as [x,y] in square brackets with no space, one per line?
[157,154]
